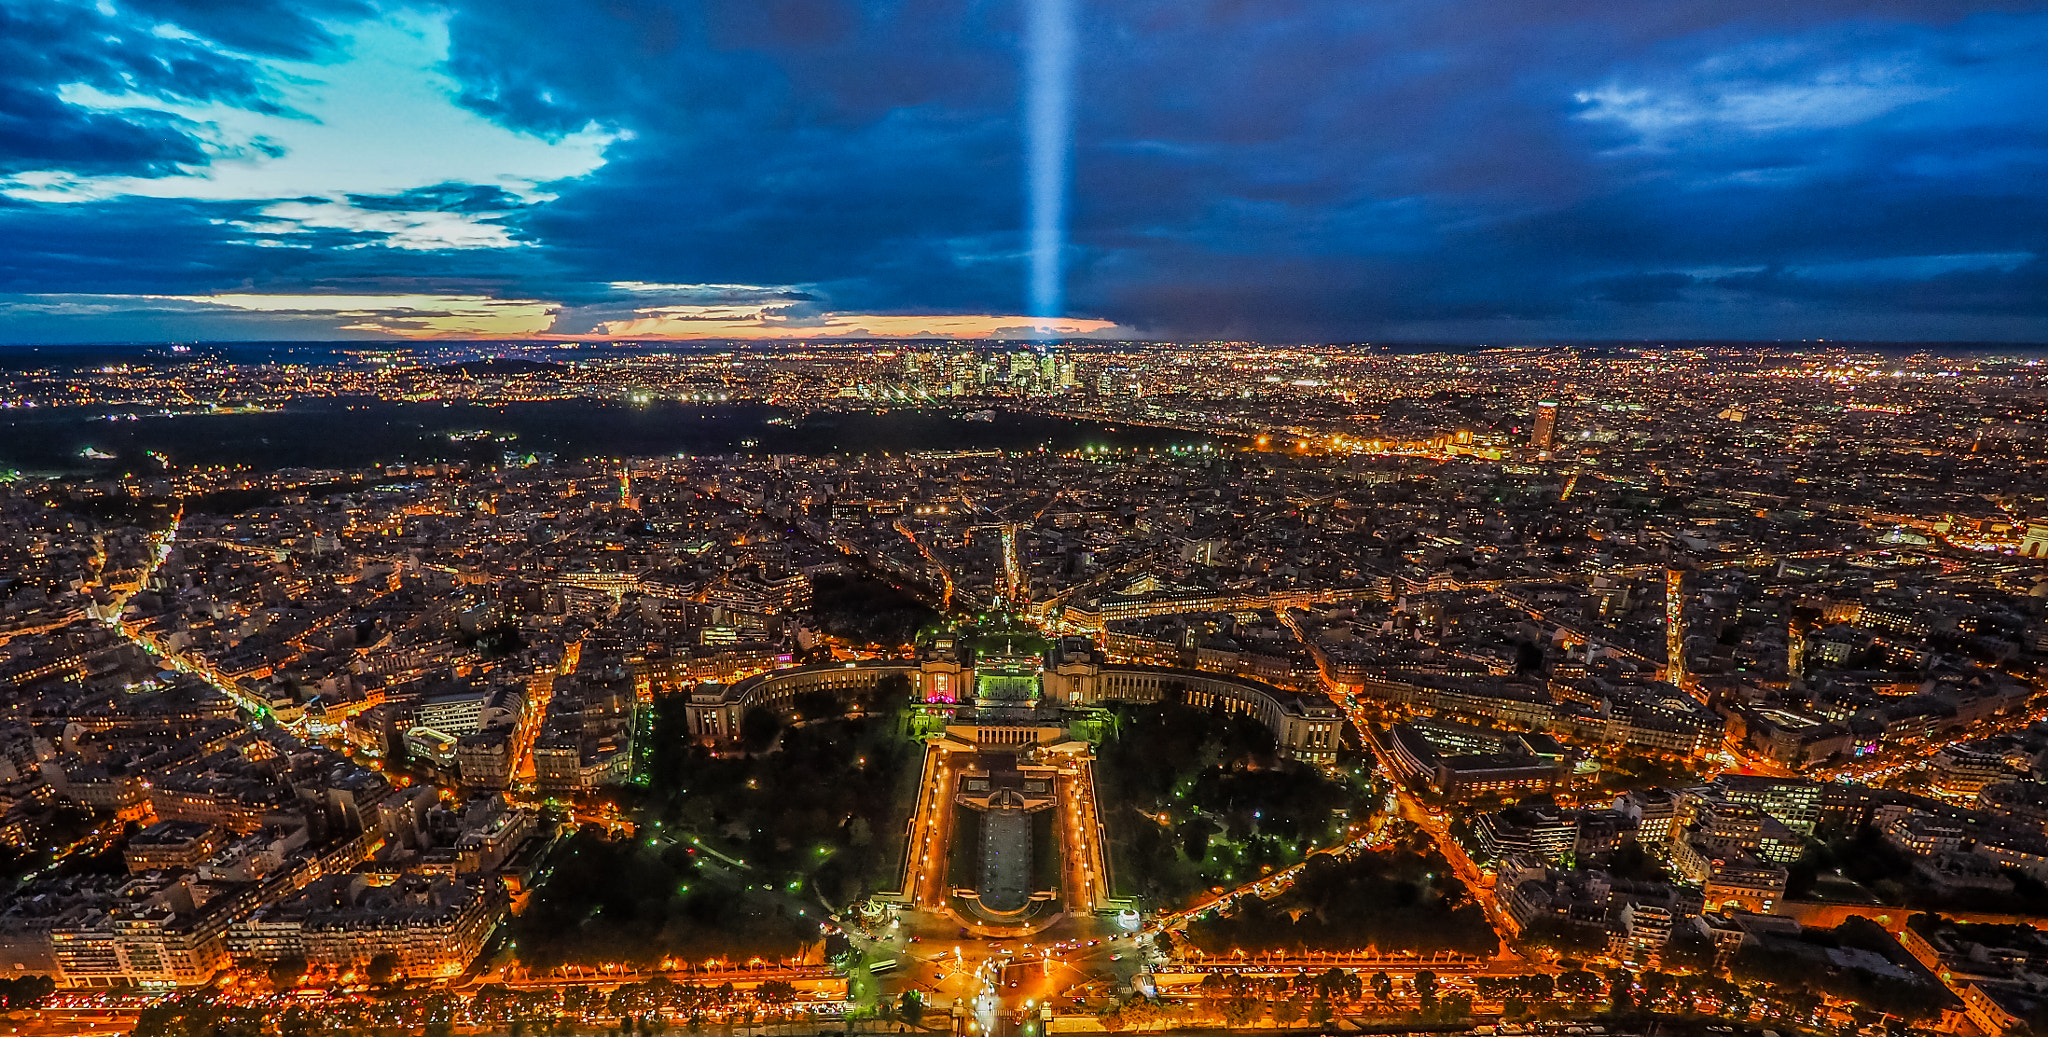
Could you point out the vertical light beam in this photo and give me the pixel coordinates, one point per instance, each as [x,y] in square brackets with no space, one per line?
[1048,129]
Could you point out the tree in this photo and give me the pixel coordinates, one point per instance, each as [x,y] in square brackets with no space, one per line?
[26,992]
[1240,1010]
[1337,985]
[1457,1005]
[1425,988]
[1382,986]
[1320,1011]
[297,1022]
[759,728]
[286,972]
[1578,985]
[382,968]
[1564,937]
[890,693]
[1654,986]
[1690,950]
[1620,992]
[1287,1011]
[911,1007]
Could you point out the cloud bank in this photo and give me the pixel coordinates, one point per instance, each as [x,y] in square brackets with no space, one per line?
[1285,170]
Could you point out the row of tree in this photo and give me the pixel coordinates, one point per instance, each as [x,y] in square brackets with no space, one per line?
[633,1008]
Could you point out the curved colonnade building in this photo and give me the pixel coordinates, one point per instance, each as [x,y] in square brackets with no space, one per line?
[1006,836]
[1305,726]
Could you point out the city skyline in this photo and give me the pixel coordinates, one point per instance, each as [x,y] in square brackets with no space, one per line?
[1072,687]
[1475,172]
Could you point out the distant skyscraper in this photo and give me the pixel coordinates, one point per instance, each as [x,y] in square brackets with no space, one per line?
[1545,435]
[917,368]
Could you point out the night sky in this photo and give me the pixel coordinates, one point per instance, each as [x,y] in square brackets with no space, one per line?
[1284,170]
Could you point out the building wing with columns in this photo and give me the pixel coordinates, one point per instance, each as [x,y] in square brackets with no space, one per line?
[1306,726]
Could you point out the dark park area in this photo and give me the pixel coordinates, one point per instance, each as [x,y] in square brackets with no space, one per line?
[735,855]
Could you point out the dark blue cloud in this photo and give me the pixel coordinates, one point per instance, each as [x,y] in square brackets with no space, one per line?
[47,46]
[464,198]
[140,246]
[301,29]
[1317,169]
[155,51]
[1299,168]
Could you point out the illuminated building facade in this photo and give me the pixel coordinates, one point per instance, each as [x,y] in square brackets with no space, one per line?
[1545,435]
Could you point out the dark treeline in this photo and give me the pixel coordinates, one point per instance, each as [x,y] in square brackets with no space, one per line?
[1406,899]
